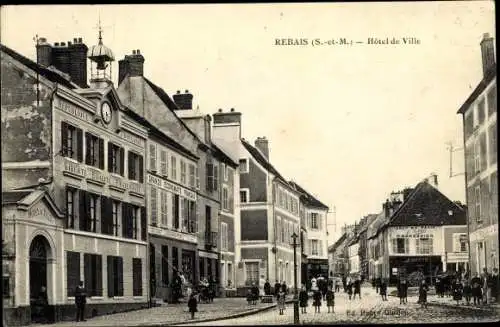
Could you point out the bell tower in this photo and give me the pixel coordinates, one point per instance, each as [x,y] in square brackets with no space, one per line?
[101,58]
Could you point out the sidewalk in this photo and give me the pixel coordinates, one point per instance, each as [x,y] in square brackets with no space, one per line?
[171,314]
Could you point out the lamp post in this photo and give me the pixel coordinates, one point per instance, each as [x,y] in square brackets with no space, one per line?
[295,300]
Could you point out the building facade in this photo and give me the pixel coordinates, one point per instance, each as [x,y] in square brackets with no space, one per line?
[75,184]
[479,114]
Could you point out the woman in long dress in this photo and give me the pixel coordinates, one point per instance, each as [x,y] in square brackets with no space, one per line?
[281,301]
[303,299]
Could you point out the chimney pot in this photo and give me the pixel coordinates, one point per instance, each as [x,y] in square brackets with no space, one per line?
[220,110]
[56,44]
[178,92]
[487,53]
[69,43]
[186,91]
[80,40]
[232,109]
[75,40]
[486,35]
[137,51]
[63,44]
[133,52]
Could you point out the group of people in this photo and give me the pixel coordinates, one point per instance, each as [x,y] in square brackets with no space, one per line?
[352,286]
[480,289]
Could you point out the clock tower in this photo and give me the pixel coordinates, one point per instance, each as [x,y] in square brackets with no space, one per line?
[101,58]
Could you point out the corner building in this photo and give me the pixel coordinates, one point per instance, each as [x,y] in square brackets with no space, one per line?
[73,189]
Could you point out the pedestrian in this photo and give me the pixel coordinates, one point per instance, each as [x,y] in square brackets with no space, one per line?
[383,289]
[255,293]
[439,287]
[486,281]
[80,301]
[457,290]
[324,288]
[337,284]
[303,299]
[467,291]
[284,288]
[492,287]
[317,301]
[495,285]
[476,289]
[344,283]
[267,287]
[357,288]
[277,287]
[378,281]
[281,301]
[403,291]
[250,296]
[330,299]
[422,293]
[349,287]
[192,305]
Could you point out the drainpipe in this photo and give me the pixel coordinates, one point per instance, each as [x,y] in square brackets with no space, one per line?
[275,235]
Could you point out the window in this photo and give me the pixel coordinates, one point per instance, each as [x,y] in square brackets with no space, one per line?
[152,157]
[314,220]
[115,159]
[197,176]
[226,172]
[209,168]
[154,206]
[70,206]
[92,267]
[88,211]
[71,142]
[468,124]
[116,217]
[164,264]
[93,212]
[115,276]
[135,167]
[94,155]
[244,196]
[175,210]
[482,148]
[480,111]
[243,166]
[130,214]
[72,272]
[183,172]
[6,287]
[314,247]
[477,157]
[492,140]
[137,276]
[460,242]
[192,179]
[163,163]
[400,245]
[163,207]
[252,272]
[424,245]
[224,236]
[225,198]
[282,229]
[173,166]
[492,100]
[216,177]
[477,197]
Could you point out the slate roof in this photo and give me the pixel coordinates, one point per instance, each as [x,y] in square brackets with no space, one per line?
[375,226]
[45,72]
[262,160]
[223,156]
[308,198]
[489,76]
[337,243]
[426,205]
[11,197]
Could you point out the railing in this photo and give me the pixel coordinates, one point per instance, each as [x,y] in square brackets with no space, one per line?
[211,239]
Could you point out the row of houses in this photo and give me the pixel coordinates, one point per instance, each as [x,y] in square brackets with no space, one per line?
[419,229]
[126,188]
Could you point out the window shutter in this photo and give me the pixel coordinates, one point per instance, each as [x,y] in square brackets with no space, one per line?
[120,276]
[110,157]
[82,216]
[152,157]
[320,221]
[216,176]
[125,214]
[98,269]
[111,276]
[309,220]
[101,154]
[79,145]
[141,169]
[87,273]
[130,157]
[87,149]
[407,245]
[144,225]
[122,161]
[154,205]
[64,138]
[320,247]
[209,179]
[73,271]
[104,216]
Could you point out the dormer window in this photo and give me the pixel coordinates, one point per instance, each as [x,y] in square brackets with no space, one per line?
[243,166]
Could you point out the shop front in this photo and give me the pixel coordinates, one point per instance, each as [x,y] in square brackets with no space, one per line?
[414,268]
[316,267]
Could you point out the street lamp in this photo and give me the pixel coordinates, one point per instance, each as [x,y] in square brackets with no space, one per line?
[295,300]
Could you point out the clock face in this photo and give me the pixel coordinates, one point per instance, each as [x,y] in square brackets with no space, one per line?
[106,112]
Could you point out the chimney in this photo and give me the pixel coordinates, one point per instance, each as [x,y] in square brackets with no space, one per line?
[78,62]
[183,100]
[262,144]
[433,180]
[487,52]
[387,207]
[44,52]
[132,65]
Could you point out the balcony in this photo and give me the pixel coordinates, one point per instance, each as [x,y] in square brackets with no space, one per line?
[210,240]
[189,226]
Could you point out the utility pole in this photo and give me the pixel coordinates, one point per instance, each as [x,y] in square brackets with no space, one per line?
[295,298]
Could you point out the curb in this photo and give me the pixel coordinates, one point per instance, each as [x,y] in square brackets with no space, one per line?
[233,316]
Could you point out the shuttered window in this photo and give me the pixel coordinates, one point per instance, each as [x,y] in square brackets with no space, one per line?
[163,163]
[224,236]
[116,159]
[197,176]
[192,179]
[71,206]
[173,168]
[152,157]
[144,223]
[107,216]
[115,276]
[71,142]
[183,173]
[154,205]
[175,210]
[135,167]
[164,207]
[209,168]
[92,266]
[216,177]
[492,143]
[72,272]
[137,276]
[115,213]
[94,151]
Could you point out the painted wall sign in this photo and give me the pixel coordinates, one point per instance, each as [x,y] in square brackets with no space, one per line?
[174,188]
[72,109]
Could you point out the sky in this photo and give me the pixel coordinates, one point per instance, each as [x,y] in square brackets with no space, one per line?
[349,123]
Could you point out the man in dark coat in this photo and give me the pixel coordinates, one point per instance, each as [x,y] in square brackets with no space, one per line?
[495,285]
[277,288]
[477,295]
[267,287]
[403,291]
[344,283]
[357,287]
[80,301]
[255,293]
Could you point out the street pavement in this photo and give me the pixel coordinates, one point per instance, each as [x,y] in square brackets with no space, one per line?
[370,309]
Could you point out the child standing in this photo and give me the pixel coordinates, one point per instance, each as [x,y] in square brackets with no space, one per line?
[383,289]
[457,290]
[303,297]
[192,305]
[467,292]
[281,301]
[317,301]
[330,299]
[422,294]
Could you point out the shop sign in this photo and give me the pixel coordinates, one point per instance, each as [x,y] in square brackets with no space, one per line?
[414,232]
[171,187]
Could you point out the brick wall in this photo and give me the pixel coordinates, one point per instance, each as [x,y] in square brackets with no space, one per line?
[254,225]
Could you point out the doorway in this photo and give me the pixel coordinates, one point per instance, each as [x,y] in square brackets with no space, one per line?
[38,263]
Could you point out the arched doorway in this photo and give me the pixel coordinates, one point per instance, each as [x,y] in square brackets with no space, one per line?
[39,254]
